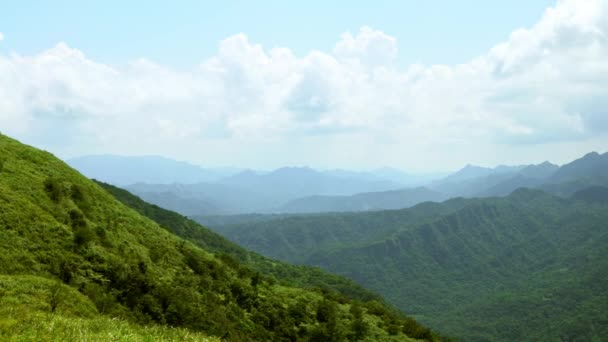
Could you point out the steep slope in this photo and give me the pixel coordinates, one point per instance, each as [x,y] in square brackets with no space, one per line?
[529,266]
[57,224]
[395,199]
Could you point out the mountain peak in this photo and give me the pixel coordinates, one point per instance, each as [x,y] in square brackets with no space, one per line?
[592,154]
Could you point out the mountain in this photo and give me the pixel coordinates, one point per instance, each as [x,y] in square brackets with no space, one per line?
[473,186]
[397,176]
[203,198]
[472,180]
[251,191]
[590,170]
[75,263]
[395,199]
[289,183]
[540,171]
[592,166]
[467,172]
[594,194]
[123,170]
[531,176]
[528,266]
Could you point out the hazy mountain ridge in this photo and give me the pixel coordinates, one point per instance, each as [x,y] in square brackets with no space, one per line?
[305,190]
[394,199]
[470,181]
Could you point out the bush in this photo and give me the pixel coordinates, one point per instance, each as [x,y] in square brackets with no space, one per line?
[57,295]
[55,189]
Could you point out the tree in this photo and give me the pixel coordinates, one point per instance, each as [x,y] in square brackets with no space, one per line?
[359,328]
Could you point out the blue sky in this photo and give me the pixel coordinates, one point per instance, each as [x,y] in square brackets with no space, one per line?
[418,85]
[182,33]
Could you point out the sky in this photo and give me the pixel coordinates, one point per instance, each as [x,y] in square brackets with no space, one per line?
[419,85]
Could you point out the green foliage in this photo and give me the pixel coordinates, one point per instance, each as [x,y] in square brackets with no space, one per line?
[359,327]
[24,316]
[231,253]
[55,188]
[55,223]
[57,295]
[524,267]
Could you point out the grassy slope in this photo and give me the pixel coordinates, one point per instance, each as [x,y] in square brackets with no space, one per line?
[25,316]
[528,266]
[55,223]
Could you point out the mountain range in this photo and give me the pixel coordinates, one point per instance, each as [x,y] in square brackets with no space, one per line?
[305,190]
[528,266]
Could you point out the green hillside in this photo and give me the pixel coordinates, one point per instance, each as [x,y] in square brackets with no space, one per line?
[529,266]
[74,260]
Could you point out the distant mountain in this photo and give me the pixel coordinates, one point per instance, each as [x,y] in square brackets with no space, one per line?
[590,170]
[526,267]
[466,173]
[289,183]
[471,186]
[124,170]
[593,194]
[593,166]
[507,185]
[531,176]
[203,198]
[187,206]
[394,199]
[540,171]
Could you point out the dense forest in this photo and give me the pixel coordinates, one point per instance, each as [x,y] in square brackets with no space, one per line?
[529,266]
[75,263]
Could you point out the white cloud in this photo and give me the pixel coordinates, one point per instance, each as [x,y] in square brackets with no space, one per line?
[370,46]
[544,86]
[1,36]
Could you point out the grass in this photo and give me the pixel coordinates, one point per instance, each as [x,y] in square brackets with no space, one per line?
[26,315]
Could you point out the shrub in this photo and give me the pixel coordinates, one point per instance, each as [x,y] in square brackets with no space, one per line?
[57,294]
[55,189]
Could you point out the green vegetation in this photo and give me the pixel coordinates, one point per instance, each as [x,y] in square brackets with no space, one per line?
[285,274]
[39,309]
[529,266]
[77,264]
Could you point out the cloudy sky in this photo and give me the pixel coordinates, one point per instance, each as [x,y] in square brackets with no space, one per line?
[410,84]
